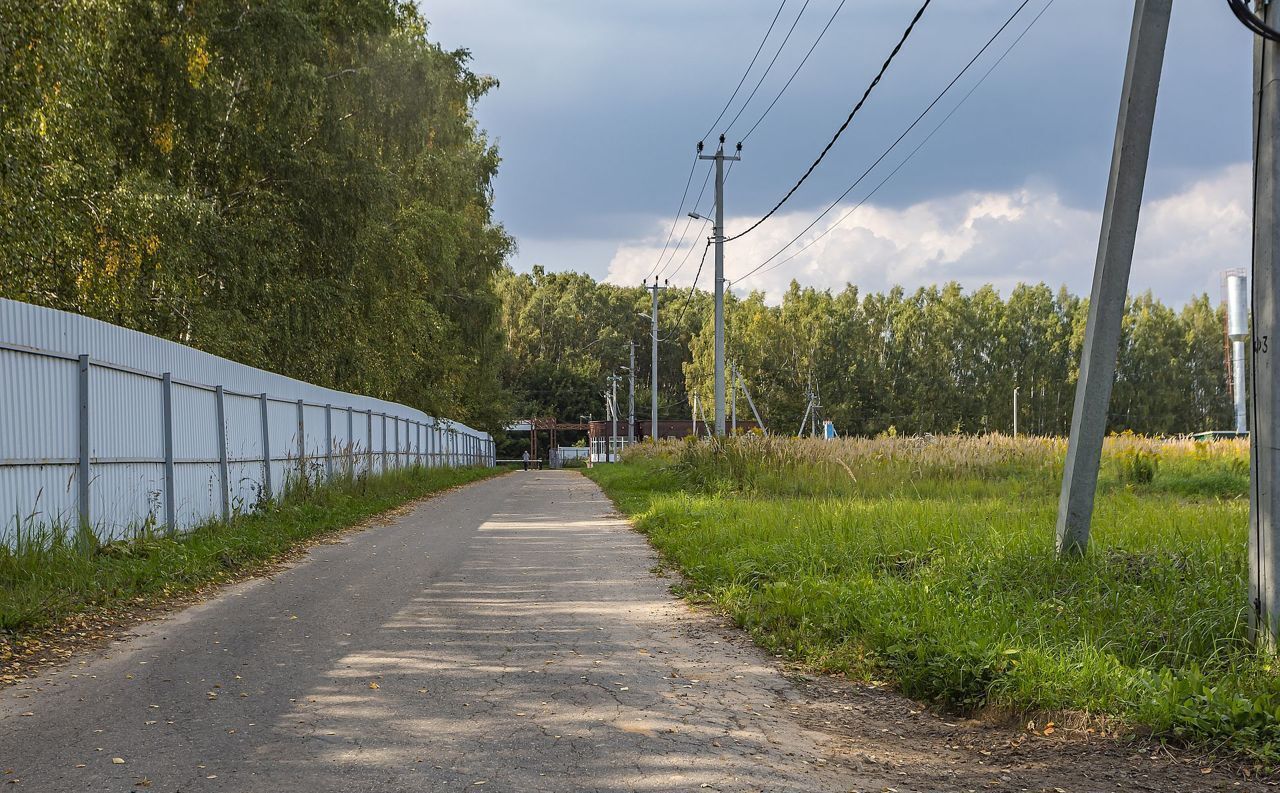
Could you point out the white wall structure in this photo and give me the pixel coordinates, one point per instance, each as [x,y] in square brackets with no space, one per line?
[122,430]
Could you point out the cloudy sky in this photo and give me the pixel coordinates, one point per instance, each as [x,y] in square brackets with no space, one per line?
[602,101]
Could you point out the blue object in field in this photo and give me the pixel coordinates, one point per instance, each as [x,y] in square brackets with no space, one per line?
[828,430]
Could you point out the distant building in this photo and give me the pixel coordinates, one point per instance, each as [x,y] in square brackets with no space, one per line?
[598,433]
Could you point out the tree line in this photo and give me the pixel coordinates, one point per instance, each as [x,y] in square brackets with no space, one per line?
[299,185]
[940,359]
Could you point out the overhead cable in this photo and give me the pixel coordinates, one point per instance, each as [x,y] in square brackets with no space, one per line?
[684,232]
[892,146]
[769,68]
[1252,21]
[865,95]
[692,288]
[704,221]
[674,220]
[790,79]
[759,49]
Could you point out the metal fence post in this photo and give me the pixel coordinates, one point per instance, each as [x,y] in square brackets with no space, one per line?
[351,442]
[395,430]
[328,441]
[384,443]
[82,485]
[224,473]
[302,441]
[166,410]
[369,443]
[267,490]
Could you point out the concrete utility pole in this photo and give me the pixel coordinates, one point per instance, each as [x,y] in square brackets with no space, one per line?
[808,408]
[1111,272]
[614,379]
[746,392]
[733,399]
[718,236]
[695,414]
[653,374]
[1264,513]
[631,398]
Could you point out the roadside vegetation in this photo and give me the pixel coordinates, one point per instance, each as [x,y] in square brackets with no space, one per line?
[50,574]
[930,562]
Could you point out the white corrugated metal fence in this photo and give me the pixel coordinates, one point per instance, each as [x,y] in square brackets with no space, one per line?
[126,430]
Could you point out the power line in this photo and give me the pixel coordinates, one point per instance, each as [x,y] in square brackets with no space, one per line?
[751,65]
[692,288]
[687,253]
[892,146]
[769,68]
[865,95]
[684,232]
[790,79]
[693,167]
[897,168]
[689,222]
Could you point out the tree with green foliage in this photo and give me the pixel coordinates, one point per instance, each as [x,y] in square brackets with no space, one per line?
[299,185]
[940,359]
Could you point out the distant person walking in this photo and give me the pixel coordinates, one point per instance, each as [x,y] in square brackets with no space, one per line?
[525,458]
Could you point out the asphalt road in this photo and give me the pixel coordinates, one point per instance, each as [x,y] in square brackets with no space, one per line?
[508,636]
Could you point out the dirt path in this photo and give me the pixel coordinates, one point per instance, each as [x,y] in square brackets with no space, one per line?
[508,636]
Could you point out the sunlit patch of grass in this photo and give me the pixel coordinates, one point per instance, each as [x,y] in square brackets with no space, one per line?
[931,562]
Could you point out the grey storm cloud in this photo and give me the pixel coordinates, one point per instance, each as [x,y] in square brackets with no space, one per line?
[600,105]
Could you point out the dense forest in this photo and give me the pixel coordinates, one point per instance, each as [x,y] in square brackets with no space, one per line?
[938,360]
[296,184]
[301,185]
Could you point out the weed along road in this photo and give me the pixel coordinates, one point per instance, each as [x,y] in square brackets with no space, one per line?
[511,635]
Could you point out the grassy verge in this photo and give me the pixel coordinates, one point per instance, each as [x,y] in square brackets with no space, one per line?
[932,564]
[47,579]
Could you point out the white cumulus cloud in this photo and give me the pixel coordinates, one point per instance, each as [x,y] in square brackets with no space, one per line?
[1028,235]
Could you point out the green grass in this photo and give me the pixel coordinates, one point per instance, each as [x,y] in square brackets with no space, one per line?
[933,566]
[52,575]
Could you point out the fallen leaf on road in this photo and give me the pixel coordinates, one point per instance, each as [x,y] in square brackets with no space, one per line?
[374,685]
[117,760]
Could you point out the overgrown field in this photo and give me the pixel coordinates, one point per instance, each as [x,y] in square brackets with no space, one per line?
[930,562]
[52,575]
